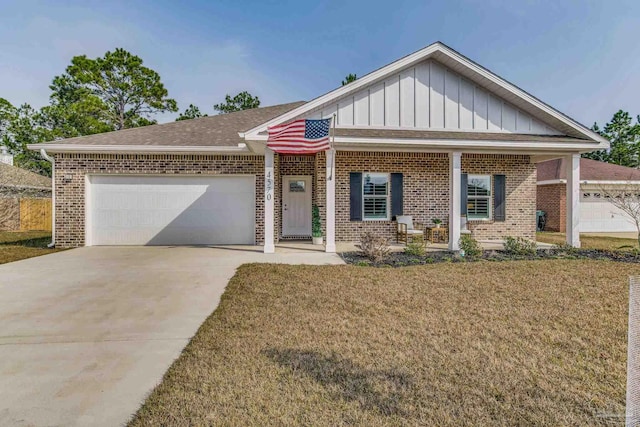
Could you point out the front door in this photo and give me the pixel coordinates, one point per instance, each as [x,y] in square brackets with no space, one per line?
[296,206]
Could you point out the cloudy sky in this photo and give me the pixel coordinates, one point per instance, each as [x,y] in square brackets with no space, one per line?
[582,57]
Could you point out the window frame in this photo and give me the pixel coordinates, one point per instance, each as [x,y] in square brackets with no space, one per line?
[488,197]
[386,197]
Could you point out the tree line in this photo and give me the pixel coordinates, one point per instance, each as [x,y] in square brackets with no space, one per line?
[117,91]
[109,93]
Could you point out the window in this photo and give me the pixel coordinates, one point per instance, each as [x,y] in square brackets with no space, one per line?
[479,197]
[375,196]
[296,186]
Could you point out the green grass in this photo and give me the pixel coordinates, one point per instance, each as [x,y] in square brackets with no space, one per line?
[500,344]
[17,245]
[588,241]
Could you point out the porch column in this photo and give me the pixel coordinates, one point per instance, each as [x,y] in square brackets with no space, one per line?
[573,200]
[331,202]
[455,179]
[269,246]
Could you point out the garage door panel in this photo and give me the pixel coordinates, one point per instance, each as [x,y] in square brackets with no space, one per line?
[164,210]
[599,215]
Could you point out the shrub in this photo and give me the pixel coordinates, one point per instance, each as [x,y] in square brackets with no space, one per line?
[316,225]
[374,247]
[519,246]
[564,248]
[415,249]
[470,246]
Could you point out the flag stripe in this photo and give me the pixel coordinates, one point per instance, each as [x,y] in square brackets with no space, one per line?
[300,137]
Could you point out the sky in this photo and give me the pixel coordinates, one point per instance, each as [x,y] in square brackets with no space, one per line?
[581,57]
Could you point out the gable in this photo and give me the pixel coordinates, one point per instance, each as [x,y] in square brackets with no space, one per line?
[430,95]
[449,92]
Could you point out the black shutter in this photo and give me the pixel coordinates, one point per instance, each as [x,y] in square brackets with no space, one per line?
[499,198]
[463,193]
[396,195]
[355,184]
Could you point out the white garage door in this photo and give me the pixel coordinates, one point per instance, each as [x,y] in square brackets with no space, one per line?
[170,210]
[598,215]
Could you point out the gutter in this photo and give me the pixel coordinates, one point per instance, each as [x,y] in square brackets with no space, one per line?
[50,159]
[241,148]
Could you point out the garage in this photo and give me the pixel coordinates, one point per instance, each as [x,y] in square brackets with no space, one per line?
[170,210]
[598,215]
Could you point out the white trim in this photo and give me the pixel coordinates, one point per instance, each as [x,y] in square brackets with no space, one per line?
[588,182]
[387,196]
[408,61]
[269,202]
[345,143]
[78,148]
[489,198]
[573,200]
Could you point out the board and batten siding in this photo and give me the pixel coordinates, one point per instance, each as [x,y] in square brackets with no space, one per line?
[431,96]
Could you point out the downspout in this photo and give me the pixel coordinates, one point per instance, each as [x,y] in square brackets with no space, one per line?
[50,159]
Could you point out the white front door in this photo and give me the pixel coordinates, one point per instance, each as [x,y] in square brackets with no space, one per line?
[296,206]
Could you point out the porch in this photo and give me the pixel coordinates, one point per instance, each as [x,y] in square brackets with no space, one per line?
[426,185]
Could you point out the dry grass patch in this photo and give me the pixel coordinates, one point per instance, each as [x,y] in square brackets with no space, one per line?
[511,343]
[17,245]
[7,237]
[587,242]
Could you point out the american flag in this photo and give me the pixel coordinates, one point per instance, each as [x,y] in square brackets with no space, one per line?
[300,137]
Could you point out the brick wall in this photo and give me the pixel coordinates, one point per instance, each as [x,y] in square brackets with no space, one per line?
[426,191]
[426,186]
[521,195]
[552,199]
[71,170]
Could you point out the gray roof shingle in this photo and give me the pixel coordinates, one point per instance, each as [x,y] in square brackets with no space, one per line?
[13,176]
[590,170]
[219,130]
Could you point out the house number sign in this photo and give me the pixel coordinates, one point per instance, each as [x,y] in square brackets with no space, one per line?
[268,185]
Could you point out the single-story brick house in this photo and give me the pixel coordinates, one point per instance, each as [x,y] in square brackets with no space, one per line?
[597,181]
[432,135]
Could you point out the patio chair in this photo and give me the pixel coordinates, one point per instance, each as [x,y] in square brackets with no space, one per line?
[408,229]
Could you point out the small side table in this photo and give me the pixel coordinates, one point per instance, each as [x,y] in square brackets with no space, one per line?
[438,235]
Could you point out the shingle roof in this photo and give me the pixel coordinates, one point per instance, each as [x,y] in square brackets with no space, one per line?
[590,170]
[13,176]
[219,130]
[434,134]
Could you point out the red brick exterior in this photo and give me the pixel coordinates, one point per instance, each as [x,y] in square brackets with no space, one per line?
[71,170]
[426,191]
[553,200]
[426,186]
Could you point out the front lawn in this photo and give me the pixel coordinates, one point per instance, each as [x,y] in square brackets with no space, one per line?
[510,343]
[587,241]
[17,245]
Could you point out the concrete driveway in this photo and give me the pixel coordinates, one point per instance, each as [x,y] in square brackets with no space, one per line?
[85,334]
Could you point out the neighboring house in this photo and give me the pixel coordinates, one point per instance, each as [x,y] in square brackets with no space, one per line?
[18,185]
[433,135]
[597,214]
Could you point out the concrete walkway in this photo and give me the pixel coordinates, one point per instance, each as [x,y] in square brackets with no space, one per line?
[85,334]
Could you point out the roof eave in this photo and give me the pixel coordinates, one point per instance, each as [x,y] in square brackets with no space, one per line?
[146,149]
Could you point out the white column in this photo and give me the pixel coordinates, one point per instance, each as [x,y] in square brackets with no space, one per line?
[573,200]
[269,193]
[455,178]
[331,202]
